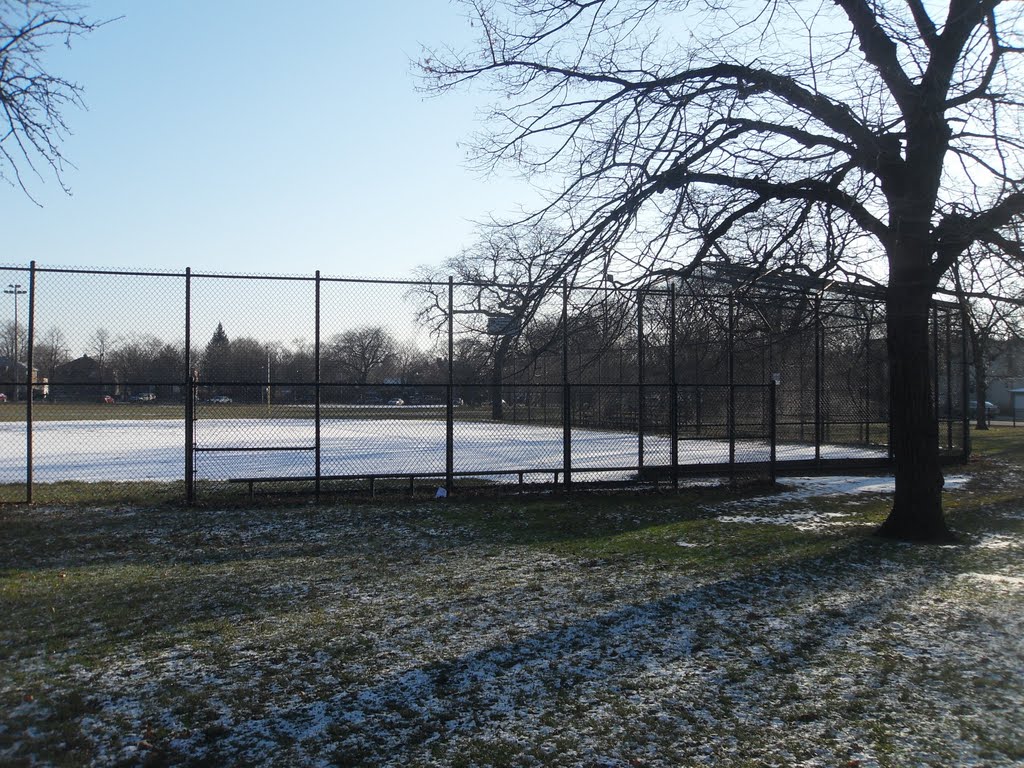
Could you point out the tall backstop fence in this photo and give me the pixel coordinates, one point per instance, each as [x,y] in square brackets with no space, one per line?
[325,385]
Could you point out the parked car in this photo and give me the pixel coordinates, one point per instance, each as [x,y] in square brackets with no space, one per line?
[220,399]
[991,409]
[396,401]
[143,397]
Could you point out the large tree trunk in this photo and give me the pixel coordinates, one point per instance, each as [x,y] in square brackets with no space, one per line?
[497,374]
[917,509]
[501,350]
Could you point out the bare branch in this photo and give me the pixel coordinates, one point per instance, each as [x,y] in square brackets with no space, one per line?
[33,99]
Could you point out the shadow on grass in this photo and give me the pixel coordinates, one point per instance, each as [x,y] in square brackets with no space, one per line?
[724,668]
[161,578]
[139,572]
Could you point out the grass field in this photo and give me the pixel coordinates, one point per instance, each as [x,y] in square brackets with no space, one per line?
[707,628]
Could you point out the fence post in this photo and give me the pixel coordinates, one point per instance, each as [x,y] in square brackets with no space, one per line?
[698,389]
[29,360]
[949,382]
[316,388]
[965,386]
[818,366]
[640,378]
[867,377]
[935,361]
[773,425]
[189,395]
[673,402]
[566,395]
[449,413]
[731,413]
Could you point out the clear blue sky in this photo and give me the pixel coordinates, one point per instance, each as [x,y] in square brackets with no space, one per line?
[260,137]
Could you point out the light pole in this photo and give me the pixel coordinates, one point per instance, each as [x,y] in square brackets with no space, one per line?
[16,290]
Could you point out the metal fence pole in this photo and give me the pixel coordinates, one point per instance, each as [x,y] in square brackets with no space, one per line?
[698,391]
[640,377]
[449,414]
[935,360]
[818,371]
[965,387]
[731,412]
[316,388]
[29,357]
[673,402]
[801,387]
[190,490]
[566,394]
[772,426]
[949,383]
[867,378]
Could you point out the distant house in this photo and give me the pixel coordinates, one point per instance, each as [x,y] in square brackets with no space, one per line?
[83,379]
[11,371]
[1006,373]
[12,379]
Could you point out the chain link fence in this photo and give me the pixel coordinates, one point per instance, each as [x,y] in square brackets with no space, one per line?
[324,385]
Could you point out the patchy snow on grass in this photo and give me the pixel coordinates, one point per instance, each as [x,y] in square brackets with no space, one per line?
[1015,583]
[411,636]
[800,488]
[801,492]
[997,541]
[803,521]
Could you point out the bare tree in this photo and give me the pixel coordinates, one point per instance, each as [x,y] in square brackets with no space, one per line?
[33,99]
[360,353]
[988,290]
[251,364]
[670,131]
[503,281]
[413,366]
[101,344]
[13,338]
[52,351]
[132,361]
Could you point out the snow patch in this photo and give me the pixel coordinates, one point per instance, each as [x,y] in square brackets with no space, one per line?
[153,450]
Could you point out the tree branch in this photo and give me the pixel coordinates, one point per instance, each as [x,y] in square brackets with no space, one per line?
[880,51]
[811,190]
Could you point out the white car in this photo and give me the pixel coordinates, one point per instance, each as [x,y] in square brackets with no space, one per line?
[396,401]
[991,409]
[220,399]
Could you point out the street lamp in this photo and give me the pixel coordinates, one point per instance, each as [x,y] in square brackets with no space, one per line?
[16,290]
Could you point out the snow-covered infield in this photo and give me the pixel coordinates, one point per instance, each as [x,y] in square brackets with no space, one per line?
[153,450]
[401,636]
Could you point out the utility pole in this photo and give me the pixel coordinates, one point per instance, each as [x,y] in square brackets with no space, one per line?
[16,290]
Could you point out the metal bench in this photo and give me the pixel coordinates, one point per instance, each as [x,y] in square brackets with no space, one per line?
[521,474]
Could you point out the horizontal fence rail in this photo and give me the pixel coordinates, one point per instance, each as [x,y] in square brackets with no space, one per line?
[320,384]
